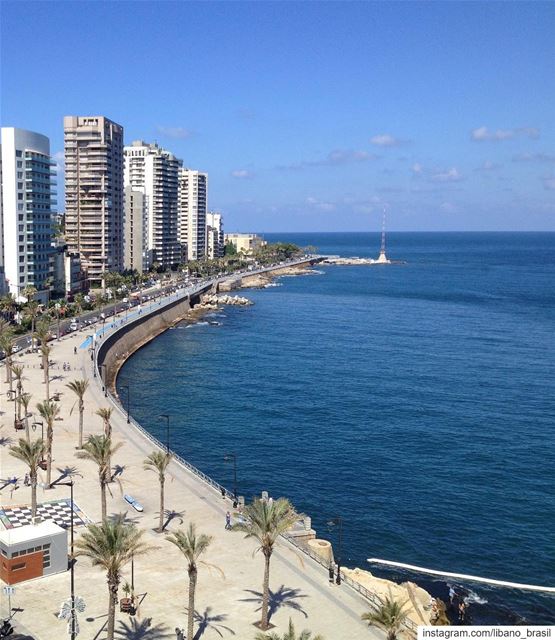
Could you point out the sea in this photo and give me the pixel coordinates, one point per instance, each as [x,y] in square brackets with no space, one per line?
[415,401]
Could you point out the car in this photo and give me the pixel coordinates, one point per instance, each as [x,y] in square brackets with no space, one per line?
[73,326]
[16,348]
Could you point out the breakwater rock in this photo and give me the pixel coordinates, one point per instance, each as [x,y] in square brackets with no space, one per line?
[212,300]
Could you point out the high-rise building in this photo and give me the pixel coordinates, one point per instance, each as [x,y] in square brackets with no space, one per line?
[94,194]
[153,172]
[26,209]
[193,188]
[214,235]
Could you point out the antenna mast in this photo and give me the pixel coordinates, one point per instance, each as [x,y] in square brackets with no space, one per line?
[382,248]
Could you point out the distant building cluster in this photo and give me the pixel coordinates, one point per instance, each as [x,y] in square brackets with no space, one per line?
[127,207]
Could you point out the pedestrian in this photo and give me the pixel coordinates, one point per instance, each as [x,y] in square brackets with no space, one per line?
[74,351]
[462,612]
[452,594]
[26,480]
[228,521]
[331,572]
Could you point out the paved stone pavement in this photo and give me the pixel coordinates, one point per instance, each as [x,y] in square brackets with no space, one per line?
[227,606]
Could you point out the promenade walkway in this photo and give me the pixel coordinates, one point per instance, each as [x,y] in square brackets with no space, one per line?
[226,607]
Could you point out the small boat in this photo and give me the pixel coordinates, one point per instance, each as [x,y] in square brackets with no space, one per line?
[134,503]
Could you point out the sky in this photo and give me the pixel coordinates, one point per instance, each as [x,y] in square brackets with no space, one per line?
[310,116]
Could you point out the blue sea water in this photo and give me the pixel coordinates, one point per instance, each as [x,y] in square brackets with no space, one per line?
[415,401]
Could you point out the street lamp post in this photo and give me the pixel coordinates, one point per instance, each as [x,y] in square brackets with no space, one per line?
[228,458]
[73,630]
[339,521]
[166,417]
[126,387]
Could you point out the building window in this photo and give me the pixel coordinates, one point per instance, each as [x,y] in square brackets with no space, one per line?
[19,566]
[18,153]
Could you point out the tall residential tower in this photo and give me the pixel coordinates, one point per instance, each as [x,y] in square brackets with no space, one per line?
[94,194]
[27,198]
[193,187]
[151,172]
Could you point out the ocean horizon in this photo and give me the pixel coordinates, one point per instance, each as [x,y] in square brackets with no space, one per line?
[415,401]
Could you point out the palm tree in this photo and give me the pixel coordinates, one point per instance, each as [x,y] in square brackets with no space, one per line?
[111,545]
[192,546]
[79,387]
[106,414]
[49,412]
[17,370]
[33,312]
[7,344]
[158,462]
[99,449]
[389,616]
[289,635]
[46,351]
[25,400]
[266,521]
[31,453]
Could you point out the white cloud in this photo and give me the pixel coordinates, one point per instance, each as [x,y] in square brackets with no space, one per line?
[417,169]
[484,134]
[386,140]
[449,175]
[59,157]
[334,158]
[448,207]
[488,165]
[534,157]
[320,204]
[179,133]
[242,174]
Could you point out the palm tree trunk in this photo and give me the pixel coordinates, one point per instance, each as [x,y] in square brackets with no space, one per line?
[27,432]
[265,591]
[49,436]
[112,601]
[161,504]
[9,378]
[33,495]
[47,371]
[81,408]
[191,613]
[103,495]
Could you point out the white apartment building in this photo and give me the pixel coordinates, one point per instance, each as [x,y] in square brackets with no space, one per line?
[151,222]
[193,189]
[27,197]
[214,235]
[94,194]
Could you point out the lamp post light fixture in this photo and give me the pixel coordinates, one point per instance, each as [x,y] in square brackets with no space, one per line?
[34,427]
[126,387]
[338,521]
[72,621]
[228,457]
[166,417]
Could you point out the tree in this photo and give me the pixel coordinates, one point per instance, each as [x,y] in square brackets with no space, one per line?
[192,546]
[288,635]
[265,522]
[106,414]
[49,412]
[99,449]
[79,387]
[25,400]
[389,616]
[43,335]
[110,546]
[31,453]
[17,370]
[7,344]
[32,312]
[158,462]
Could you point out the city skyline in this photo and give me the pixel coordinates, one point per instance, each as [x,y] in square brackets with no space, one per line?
[311,116]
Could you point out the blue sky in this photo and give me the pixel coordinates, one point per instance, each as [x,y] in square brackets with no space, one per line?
[311,116]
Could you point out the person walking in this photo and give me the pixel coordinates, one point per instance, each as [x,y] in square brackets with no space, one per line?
[228,521]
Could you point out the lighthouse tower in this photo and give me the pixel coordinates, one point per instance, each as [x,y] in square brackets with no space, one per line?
[382,258]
